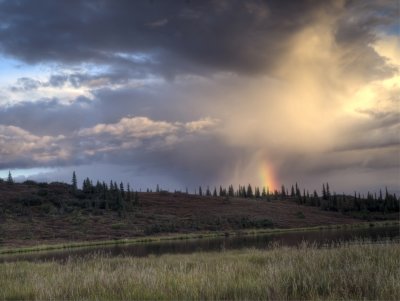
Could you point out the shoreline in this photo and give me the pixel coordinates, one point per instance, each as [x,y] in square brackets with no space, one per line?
[187,236]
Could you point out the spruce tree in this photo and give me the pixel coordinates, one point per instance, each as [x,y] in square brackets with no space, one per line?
[231,191]
[298,193]
[128,194]
[249,191]
[283,191]
[264,193]
[121,189]
[10,179]
[208,192]
[328,193]
[74,181]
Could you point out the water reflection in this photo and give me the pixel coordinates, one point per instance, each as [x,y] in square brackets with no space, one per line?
[319,238]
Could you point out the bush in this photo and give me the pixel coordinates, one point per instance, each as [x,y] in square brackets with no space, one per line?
[31,201]
[30,182]
[43,192]
[118,226]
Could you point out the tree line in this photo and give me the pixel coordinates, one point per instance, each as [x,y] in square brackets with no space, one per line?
[121,197]
[372,202]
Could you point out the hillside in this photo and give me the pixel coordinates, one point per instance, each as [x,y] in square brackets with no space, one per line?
[34,213]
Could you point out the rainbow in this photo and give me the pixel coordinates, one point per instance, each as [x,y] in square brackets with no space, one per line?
[267,176]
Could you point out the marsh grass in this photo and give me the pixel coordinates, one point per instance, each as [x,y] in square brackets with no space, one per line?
[344,272]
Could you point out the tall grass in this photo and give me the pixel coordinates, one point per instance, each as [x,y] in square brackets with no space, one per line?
[345,272]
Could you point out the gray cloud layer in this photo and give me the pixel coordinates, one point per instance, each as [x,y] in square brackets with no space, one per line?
[175,37]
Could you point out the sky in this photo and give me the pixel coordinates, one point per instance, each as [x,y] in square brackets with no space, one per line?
[189,93]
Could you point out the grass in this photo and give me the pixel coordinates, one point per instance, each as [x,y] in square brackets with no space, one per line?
[171,237]
[345,272]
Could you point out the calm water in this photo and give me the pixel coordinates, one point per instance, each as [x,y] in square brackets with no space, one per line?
[320,238]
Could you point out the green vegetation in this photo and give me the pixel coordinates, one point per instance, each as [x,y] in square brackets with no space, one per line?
[346,272]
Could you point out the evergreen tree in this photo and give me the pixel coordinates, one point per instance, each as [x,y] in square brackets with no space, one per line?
[128,194]
[74,181]
[10,179]
[121,189]
[136,198]
[328,193]
[249,191]
[231,191]
[215,192]
[298,193]
[283,191]
[264,193]
[292,193]
[200,191]
[208,192]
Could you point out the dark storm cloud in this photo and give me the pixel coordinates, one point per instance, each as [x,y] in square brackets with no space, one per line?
[167,37]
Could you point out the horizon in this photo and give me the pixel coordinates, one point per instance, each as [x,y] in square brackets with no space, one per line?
[188,93]
[195,190]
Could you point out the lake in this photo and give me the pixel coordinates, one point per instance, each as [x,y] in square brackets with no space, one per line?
[321,238]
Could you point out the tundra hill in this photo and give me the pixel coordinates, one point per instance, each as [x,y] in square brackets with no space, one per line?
[32,213]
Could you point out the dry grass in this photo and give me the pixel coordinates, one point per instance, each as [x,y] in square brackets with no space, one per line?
[347,272]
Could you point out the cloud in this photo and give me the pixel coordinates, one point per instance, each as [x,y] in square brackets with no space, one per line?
[231,36]
[26,84]
[97,142]
[305,89]
[20,148]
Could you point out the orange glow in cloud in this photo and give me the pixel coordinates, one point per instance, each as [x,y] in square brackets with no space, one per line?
[267,176]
